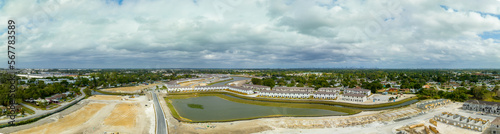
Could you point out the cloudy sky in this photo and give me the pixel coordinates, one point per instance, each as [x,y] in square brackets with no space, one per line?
[253,34]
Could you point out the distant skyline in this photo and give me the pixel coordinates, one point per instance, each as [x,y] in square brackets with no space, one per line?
[382,34]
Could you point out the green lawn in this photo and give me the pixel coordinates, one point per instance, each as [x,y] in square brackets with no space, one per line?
[33,105]
[492,97]
[27,110]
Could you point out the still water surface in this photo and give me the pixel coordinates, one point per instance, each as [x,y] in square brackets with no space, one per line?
[213,108]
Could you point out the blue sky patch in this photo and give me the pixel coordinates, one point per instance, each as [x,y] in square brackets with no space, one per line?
[491,34]
[446,8]
[483,14]
[2,2]
[119,2]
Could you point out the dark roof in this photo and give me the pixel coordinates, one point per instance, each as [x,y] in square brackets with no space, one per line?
[483,102]
[325,93]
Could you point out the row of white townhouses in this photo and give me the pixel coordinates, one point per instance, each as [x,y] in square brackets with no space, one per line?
[325,89]
[256,87]
[284,94]
[350,94]
[300,89]
[325,95]
[355,94]
[209,88]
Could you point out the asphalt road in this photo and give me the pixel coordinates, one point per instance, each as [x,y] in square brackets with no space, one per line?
[161,126]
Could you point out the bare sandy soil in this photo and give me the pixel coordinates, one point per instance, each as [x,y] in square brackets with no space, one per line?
[191,82]
[103,113]
[123,114]
[105,97]
[130,89]
[75,119]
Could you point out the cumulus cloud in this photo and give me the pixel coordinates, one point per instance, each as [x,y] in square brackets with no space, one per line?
[253,34]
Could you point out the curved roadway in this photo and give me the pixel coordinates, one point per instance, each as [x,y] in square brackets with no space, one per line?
[39,113]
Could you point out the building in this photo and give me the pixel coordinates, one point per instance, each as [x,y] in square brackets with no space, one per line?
[179,88]
[210,88]
[495,126]
[358,91]
[482,106]
[353,97]
[471,123]
[323,89]
[432,103]
[56,98]
[284,94]
[256,87]
[299,89]
[325,95]
[241,90]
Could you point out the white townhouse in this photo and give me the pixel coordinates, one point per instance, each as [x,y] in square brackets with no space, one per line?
[241,90]
[179,88]
[358,91]
[300,89]
[210,88]
[256,87]
[325,95]
[324,89]
[284,94]
[353,97]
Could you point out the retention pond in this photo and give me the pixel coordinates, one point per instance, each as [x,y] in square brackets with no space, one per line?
[214,108]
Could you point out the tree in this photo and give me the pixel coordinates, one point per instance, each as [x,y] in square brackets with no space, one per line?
[300,85]
[268,82]
[256,81]
[495,89]
[87,92]
[479,92]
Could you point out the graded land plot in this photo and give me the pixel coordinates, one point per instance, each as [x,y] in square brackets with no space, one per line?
[129,89]
[134,116]
[128,117]
[105,97]
[73,120]
[191,82]
[123,114]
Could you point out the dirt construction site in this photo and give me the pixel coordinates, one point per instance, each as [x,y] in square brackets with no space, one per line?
[97,115]
[133,89]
